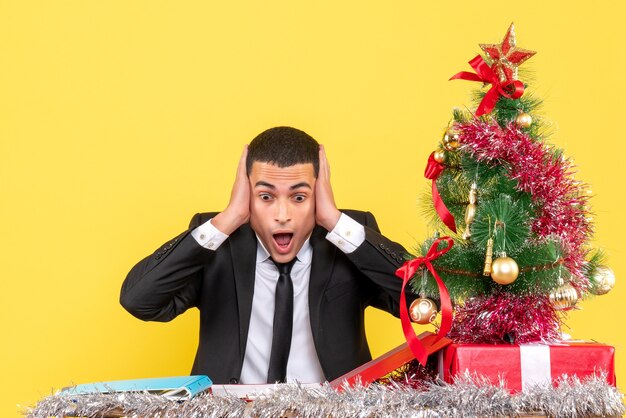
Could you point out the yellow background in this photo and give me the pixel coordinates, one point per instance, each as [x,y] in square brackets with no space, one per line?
[121,119]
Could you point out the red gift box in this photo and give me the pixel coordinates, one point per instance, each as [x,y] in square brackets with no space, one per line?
[527,364]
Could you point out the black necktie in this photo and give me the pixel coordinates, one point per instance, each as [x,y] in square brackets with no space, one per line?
[283,324]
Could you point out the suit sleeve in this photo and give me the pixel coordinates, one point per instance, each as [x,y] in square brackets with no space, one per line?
[378,258]
[167,282]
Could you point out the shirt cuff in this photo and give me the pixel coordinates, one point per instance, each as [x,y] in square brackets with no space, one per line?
[347,235]
[209,236]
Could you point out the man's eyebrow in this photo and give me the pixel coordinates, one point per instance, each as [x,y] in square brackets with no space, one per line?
[262,183]
[302,184]
[265,184]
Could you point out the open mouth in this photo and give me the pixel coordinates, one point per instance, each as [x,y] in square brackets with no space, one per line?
[283,241]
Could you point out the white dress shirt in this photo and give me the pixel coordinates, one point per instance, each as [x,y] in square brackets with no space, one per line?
[303,364]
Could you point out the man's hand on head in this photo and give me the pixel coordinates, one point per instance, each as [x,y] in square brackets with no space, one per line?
[326,213]
[237,212]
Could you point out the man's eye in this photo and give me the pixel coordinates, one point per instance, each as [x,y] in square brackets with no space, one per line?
[299,198]
[265,197]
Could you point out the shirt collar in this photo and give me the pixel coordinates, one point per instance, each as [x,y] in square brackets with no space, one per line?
[304,255]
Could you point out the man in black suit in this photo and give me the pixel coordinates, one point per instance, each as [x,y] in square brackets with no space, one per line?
[281,276]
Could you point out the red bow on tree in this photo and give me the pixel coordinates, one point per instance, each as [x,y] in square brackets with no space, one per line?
[407,271]
[513,89]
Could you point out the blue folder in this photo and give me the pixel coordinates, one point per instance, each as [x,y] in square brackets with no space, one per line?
[179,388]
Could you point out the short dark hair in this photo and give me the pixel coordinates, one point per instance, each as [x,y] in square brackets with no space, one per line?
[284,146]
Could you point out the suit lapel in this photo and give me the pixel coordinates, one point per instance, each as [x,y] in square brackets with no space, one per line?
[243,252]
[321,269]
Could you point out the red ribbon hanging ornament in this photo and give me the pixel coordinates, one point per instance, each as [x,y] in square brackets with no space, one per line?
[407,271]
[502,75]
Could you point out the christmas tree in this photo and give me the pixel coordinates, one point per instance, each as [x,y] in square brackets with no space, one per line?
[519,220]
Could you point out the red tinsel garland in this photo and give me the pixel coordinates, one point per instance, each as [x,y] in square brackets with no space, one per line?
[412,374]
[503,317]
[557,197]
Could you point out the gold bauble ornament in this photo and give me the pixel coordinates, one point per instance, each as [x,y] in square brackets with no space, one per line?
[423,311]
[524,120]
[504,270]
[564,297]
[439,156]
[603,281]
[451,139]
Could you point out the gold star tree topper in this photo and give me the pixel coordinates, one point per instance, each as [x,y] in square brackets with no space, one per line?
[505,57]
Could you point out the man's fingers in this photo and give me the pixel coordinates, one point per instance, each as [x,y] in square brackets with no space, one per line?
[324,166]
[238,210]
[241,168]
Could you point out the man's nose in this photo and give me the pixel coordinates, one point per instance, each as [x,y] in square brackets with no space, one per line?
[283,212]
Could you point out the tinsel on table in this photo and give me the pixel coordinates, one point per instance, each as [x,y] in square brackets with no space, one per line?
[469,396]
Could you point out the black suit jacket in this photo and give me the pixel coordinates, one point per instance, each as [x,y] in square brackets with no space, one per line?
[182,274]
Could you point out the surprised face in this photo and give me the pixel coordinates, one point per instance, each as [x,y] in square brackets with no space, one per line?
[282,207]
